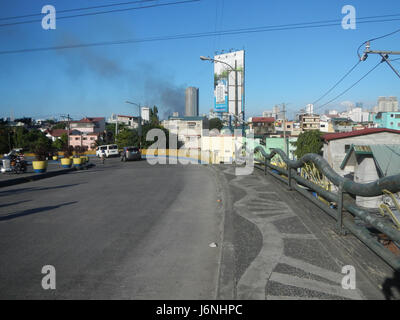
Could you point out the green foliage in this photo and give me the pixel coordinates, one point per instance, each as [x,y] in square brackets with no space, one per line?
[5,139]
[41,147]
[308,142]
[216,123]
[154,120]
[61,142]
[59,125]
[127,137]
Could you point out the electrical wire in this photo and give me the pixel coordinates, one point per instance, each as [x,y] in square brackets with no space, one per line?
[352,86]
[377,38]
[103,12]
[78,9]
[337,83]
[186,36]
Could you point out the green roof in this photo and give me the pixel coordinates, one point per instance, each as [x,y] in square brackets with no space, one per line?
[386,156]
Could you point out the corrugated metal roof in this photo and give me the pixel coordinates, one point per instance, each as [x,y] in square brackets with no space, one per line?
[387,157]
[341,135]
[362,149]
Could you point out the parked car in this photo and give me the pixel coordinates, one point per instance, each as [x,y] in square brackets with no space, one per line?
[111,150]
[131,153]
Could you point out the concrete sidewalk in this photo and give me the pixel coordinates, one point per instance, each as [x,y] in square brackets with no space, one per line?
[285,247]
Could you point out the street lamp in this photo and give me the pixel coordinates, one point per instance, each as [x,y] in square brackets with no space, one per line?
[234,69]
[140,122]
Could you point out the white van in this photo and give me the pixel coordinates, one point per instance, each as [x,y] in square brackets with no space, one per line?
[110,150]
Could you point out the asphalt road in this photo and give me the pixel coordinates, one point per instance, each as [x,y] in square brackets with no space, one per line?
[117,231]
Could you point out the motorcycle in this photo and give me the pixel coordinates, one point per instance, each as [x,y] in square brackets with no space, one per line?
[18,164]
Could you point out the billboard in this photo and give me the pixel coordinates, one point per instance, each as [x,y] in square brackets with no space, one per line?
[225,83]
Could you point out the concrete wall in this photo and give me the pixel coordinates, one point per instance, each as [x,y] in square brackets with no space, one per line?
[334,151]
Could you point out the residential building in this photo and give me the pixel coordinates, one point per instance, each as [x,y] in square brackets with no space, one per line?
[55,134]
[83,139]
[262,126]
[342,124]
[369,163]
[89,125]
[390,120]
[293,128]
[309,122]
[145,114]
[358,115]
[279,143]
[336,145]
[188,130]
[387,104]
[130,121]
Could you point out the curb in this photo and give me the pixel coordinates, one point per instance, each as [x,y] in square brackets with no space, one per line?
[226,289]
[40,176]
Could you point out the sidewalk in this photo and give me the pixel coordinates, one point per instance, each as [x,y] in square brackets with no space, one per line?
[285,247]
[54,168]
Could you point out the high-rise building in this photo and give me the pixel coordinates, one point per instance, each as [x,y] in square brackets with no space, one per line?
[191,102]
[388,104]
[145,114]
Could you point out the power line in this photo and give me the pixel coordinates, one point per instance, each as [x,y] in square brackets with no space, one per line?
[103,12]
[352,86]
[377,38]
[189,36]
[78,9]
[337,83]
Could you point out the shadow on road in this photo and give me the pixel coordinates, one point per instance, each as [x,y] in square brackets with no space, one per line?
[33,211]
[16,191]
[13,203]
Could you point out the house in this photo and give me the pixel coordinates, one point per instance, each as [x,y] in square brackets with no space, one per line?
[309,122]
[89,125]
[188,130]
[390,120]
[336,145]
[83,139]
[55,134]
[342,124]
[369,163]
[130,121]
[262,126]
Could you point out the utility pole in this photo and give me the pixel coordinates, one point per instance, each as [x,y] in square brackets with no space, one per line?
[116,130]
[284,127]
[384,54]
[68,126]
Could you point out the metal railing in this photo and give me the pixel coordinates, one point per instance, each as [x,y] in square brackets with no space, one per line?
[345,220]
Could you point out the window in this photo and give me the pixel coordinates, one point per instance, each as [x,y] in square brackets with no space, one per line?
[397,116]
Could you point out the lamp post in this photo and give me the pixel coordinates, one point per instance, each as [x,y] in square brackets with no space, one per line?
[140,123]
[234,69]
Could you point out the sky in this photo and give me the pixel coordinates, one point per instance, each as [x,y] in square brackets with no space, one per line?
[294,66]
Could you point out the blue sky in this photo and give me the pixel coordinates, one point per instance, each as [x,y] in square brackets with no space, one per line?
[292,66]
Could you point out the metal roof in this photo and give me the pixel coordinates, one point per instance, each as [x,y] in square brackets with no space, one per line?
[387,158]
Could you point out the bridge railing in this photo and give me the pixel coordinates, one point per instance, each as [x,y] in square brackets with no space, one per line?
[342,209]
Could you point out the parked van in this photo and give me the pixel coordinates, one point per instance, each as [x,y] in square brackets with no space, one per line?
[111,150]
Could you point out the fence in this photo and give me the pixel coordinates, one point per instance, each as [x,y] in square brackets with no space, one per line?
[346,210]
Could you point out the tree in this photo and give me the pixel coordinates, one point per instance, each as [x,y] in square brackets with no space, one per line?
[61,142]
[5,139]
[308,142]
[154,120]
[59,125]
[127,137]
[216,123]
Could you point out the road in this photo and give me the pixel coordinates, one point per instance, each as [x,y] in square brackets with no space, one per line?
[117,231]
